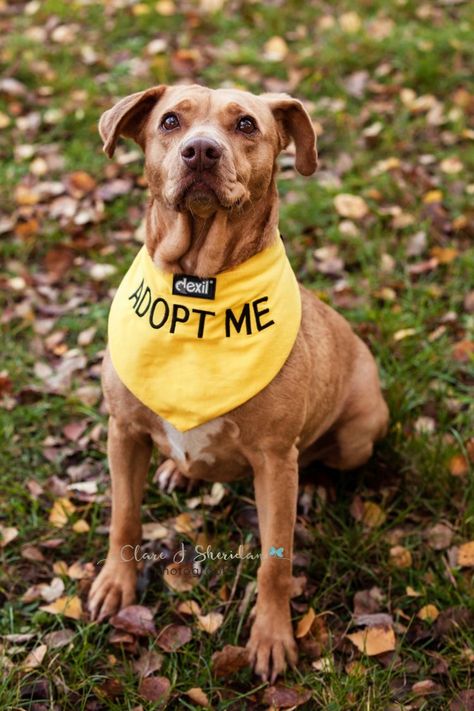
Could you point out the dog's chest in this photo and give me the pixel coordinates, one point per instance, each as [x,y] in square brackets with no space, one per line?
[193,446]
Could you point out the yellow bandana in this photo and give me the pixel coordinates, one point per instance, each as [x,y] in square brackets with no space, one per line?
[191,349]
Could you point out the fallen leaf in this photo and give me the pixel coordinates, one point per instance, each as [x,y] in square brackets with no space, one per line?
[351,206]
[463,351]
[439,536]
[350,22]
[189,607]
[51,592]
[211,622]
[304,625]
[428,612]
[81,526]
[464,701]
[61,511]
[155,688]
[229,660]
[403,333]
[466,555]
[135,619]
[458,465]
[374,640]
[444,255]
[153,531]
[7,535]
[58,638]
[427,686]
[285,697]
[275,49]
[148,663]
[69,606]
[197,695]
[400,557]
[173,637]
[373,515]
[181,576]
[35,657]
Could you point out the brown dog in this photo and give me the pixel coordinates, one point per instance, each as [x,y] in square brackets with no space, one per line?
[210,160]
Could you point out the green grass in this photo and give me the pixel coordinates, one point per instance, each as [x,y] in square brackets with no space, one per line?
[429,50]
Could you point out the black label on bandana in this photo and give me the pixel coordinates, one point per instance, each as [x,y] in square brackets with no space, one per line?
[187,285]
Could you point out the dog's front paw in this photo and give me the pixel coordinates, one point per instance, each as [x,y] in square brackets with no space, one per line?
[271,646]
[113,589]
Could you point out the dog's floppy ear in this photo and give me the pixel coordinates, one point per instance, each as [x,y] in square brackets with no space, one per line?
[128,118]
[294,123]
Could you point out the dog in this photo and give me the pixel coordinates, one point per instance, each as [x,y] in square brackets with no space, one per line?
[211,164]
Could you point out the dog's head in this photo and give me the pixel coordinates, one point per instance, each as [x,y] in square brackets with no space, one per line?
[210,149]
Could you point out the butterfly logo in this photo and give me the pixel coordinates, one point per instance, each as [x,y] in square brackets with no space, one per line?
[276,552]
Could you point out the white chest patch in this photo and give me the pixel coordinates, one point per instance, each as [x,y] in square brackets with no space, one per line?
[188,447]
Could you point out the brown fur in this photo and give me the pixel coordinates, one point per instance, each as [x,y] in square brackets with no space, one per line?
[328,386]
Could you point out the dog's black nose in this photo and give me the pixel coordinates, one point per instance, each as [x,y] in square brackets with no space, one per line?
[201,153]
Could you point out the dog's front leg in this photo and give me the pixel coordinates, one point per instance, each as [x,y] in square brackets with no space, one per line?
[271,642]
[129,458]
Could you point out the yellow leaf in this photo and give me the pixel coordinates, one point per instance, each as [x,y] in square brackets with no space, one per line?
[210,623]
[189,607]
[466,555]
[166,8]
[69,606]
[61,511]
[81,526]
[374,640]
[400,557]
[403,333]
[444,255]
[275,49]
[432,196]
[458,465]
[411,592]
[373,516]
[304,625]
[351,206]
[350,22]
[60,567]
[197,695]
[428,612]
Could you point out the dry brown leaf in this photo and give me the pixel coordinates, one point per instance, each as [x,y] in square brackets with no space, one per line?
[400,557]
[35,657]
[285,697]
[69,606]
[58,638]
[60,512]
[444,255]
[466,555]
[304,625]
[148,663]
[187,522]
[135,619]
[351,206]
[211,622]
[439,536]
[229,660]
[197,695]
[180,576]
[155,688]
[172,637]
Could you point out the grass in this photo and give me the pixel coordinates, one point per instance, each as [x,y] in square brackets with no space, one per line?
[69,82]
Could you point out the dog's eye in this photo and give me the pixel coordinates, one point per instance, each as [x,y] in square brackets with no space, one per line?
[169,122]
[246,124]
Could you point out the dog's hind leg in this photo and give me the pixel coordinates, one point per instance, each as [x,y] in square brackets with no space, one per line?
[129,458]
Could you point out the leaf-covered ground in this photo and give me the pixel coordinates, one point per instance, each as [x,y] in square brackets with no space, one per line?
[382,232]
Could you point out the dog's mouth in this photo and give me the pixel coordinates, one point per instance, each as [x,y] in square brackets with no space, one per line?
[202,191]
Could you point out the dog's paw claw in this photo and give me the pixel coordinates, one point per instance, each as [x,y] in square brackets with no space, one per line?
[270,650]
[113,589]
[168,477]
